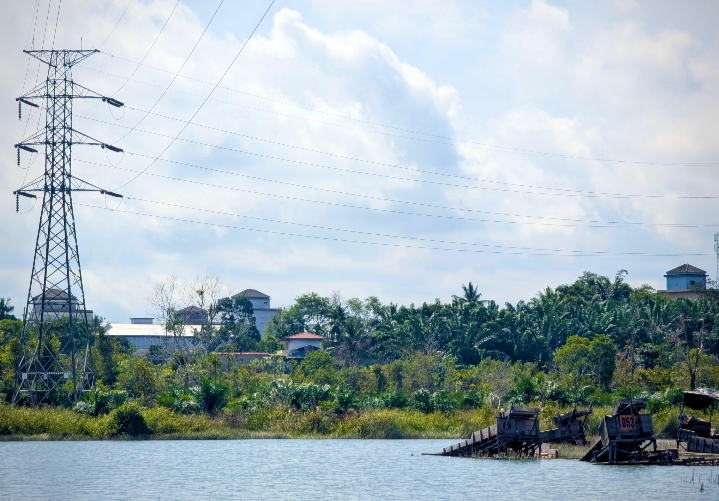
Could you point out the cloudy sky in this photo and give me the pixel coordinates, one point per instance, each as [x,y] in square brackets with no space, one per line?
[397,149]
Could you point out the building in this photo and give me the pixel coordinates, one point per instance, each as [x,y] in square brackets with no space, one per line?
[143,333]
[231,359]
[192,315]
[54,305]
[299,345]
[260,305]
[685,281]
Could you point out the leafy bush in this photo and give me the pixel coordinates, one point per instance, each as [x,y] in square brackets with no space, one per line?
[674,396]
[128,420]
[472,400]
[100,402]
[395,400]
[107,401]
[304,393]
[345,399]
[83,407]
[525,391]
[442,401]
[212,397]
[422,401]
[178,401]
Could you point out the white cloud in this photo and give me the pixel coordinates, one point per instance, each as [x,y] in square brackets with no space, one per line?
[623,89]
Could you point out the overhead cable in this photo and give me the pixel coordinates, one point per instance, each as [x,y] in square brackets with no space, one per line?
[564,193]
[148,50]
[174,77]
[322,202]
[483,145]
[116,25]
[591,223]
[385,244]
[211,92]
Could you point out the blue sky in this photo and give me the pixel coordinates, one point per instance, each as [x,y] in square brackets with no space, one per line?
[293,141]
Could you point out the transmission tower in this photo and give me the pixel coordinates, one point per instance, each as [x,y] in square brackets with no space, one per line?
[56,362]
[716,249]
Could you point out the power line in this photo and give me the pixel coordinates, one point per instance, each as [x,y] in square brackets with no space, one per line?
[173,78]
[335,204]
[383,164]
[561,192]
[313,226]
[592,223]
[476,143]
[209,95]
[344,157]
[382,244]
[31,30]
[57,18]
[116,25]
[148,50]
[37,76]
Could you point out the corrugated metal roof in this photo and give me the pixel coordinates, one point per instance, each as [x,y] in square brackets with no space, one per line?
[149,330]
[687,268]
[303,335]
[253,293]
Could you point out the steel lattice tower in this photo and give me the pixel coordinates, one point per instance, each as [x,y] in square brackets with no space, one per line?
[56,361]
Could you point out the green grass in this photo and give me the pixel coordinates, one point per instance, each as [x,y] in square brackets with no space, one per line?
[47,423]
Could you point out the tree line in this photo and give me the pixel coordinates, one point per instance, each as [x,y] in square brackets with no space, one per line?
[588,342]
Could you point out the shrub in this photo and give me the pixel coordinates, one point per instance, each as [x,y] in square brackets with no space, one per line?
[395,400]
[212,397]
[557,393]
[85,408]
[655,404]
[422,401]
[345,399]
[107,401]
[525,391]
[129,421]
[472,400]
[442,401]
[179,402]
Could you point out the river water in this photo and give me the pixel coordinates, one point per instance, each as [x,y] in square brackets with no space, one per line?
[318,469]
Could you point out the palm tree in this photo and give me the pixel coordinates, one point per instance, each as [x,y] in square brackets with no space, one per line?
[471,293]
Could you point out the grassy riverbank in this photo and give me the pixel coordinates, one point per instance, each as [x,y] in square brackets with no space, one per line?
[22,423]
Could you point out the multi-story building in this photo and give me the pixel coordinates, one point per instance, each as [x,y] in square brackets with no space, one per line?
[260,305]
[685,281]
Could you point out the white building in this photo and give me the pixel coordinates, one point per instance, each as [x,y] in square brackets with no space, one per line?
[299,345]
[143,333]
[260,305]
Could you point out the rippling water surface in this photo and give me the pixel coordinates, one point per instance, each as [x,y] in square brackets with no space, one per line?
[317,469]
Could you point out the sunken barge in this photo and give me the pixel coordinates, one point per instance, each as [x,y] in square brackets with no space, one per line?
[626,437]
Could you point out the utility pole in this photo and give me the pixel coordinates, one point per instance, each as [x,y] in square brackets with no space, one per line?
[55,361]
[716,250]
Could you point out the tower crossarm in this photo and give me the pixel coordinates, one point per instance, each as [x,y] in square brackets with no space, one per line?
[75,184]
[40,138]
[63,58]
[45,90]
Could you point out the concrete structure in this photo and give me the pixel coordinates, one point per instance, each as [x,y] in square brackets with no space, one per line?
[231,359]
[192,315]
[56,306]
[260,305]
[144,335]
[299,345]
[685,281]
